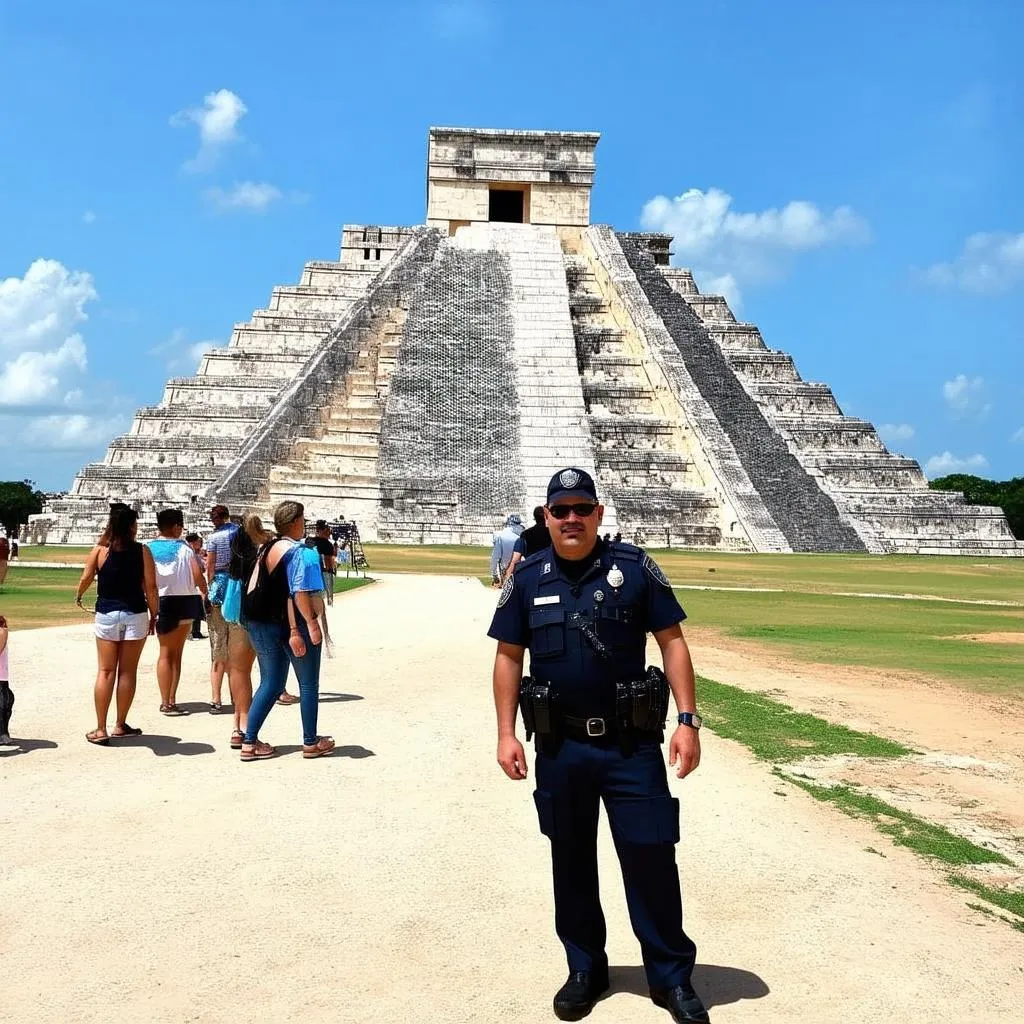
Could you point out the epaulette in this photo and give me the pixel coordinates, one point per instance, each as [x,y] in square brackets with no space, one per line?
[621,549]
[533,559]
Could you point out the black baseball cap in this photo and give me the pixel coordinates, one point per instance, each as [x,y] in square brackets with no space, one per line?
[571,483]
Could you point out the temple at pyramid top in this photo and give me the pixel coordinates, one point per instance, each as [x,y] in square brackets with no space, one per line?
[479,176]
[431,379]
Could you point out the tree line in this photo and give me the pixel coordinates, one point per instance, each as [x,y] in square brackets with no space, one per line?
[1007,494]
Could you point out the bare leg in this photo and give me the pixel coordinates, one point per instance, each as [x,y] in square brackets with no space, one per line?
[240,661]
[217,672]
[127,676]
[106,673]
[176,645]
[165,667]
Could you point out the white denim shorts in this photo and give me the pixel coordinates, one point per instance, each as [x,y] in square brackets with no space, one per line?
[122,625]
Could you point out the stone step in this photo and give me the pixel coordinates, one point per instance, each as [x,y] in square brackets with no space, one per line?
[794,399]
[737,336]
[710,308]
[766,365]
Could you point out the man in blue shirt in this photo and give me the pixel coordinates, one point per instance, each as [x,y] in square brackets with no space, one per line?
[504,545]
[218,557]
[583,608]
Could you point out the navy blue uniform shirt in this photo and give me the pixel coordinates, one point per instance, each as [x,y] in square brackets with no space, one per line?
[559,620]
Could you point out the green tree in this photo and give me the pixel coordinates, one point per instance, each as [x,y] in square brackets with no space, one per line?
[1007,494]
[19,499]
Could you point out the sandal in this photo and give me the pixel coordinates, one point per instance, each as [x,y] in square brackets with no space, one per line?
[98,736]
[172,710]
[324,745]
[287,699]
[126,730]
[237,738]
[216,708]
[257,751]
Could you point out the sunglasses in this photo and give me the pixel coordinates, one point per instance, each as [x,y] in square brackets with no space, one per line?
[582,509]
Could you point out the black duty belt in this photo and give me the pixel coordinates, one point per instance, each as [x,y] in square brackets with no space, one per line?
[592,728]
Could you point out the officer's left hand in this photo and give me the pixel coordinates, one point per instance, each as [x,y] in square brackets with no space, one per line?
[684,747]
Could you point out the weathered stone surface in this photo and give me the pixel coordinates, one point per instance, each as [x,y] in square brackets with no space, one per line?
[429,382]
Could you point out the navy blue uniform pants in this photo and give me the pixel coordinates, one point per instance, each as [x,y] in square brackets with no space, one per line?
[644,819]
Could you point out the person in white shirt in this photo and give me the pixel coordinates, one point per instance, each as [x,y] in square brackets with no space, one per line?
[179,581]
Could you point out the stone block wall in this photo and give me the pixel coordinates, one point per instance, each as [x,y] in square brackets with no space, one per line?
[449,466]
[804,513]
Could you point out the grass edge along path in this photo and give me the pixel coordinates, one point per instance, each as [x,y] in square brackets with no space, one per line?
[774,732]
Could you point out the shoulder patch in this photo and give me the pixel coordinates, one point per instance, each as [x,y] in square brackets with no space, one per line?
[506,591]
[654,570]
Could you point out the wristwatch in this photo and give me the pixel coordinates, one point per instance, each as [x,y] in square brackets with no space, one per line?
[690,718]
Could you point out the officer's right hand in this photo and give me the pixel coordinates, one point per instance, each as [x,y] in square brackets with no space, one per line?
[512,758]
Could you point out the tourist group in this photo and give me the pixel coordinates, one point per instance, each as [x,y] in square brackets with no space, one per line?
[263,595]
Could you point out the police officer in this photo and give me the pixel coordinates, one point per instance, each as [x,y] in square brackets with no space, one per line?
[583,607]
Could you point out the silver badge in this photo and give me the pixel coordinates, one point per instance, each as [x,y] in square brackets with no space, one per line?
[506,591]
[615,577]
[598,596]
[655,572]
[568,478]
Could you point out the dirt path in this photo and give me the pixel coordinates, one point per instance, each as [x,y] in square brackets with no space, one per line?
[406,879]
[970,774]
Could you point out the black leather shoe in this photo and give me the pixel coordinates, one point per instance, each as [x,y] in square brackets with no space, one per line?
[682,1003]
[576,998]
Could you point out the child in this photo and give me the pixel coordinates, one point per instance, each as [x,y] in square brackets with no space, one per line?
[6,697]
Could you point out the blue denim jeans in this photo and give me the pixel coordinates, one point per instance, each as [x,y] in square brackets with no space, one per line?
[270,642]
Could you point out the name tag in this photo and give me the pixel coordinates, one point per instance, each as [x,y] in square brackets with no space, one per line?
[550,599]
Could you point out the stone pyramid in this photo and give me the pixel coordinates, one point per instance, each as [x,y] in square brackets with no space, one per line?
[430,381]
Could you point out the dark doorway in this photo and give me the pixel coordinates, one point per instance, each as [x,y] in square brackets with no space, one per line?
[506,205]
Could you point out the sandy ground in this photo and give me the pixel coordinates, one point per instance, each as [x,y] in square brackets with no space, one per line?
[405,879]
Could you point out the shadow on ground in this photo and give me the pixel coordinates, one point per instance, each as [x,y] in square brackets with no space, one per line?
[338,698]
[26,747]
[202,707]
[715,985]
[353,750]
[162,746]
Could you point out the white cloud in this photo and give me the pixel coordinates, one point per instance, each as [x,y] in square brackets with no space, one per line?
[181,355]
[1019,436]
[991,261]
[71,433]
[726,248]
[217,120]
[89,217]
[947,462]
[40,352]
[244,195]
[896,432]
[34,378]
[963,396]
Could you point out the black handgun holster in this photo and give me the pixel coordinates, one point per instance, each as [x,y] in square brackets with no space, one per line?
[537,704]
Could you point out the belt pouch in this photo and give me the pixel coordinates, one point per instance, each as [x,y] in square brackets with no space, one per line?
[526,707]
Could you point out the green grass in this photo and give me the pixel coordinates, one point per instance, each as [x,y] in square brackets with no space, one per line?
[918,636]
[903,828]
[963,578]
[775,732]
[1005,899]
[33,598]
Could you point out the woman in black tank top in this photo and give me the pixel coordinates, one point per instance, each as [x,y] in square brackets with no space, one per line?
[126,610]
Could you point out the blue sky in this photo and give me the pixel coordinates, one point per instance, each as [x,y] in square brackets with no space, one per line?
[849,174]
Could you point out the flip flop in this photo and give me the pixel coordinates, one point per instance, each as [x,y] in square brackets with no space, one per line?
[172,710]
[127,730]
[287,699]
[94,737]
[216,709]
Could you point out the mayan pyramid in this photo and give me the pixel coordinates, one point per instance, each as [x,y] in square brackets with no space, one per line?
[429,382]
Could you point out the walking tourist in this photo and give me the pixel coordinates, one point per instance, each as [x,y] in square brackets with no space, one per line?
[5,557]
[218,554]
[504,545]
[179,581]
[283,606]
[584,615]
[245,548]
[126,611]
[328,552]
[195,542]
[6,694]
[535,538]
